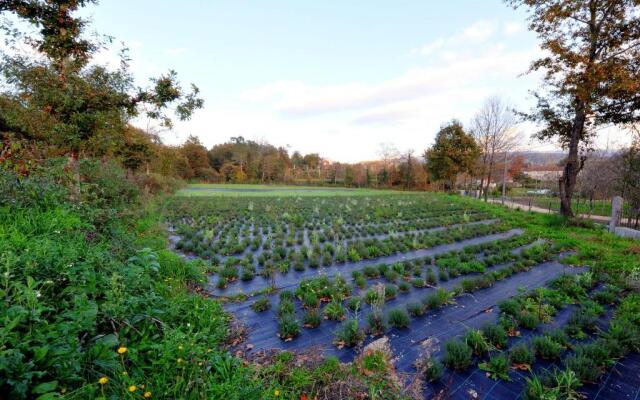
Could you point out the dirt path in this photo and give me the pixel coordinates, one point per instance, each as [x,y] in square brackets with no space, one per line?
[511,204]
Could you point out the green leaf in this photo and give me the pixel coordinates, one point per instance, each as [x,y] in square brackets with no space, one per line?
[45,387]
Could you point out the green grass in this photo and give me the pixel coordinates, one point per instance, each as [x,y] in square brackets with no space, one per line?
[251,190]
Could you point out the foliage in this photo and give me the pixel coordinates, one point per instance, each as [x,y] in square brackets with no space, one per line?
[497,367]
[457,355]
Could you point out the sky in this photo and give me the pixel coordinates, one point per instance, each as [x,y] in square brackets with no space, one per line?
[337,77]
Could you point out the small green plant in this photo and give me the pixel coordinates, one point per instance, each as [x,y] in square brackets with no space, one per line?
[349,334]
[334,311]
[310,300]
[311,319]
[432,369]
[546,348]
[354,303]
[457,355]
[495,335]
[497,367]
[476,342]
[415,309]
[377,323]
[521,356]
[399,318]
[403,287]
[288,327]
[286,307]
[260,305]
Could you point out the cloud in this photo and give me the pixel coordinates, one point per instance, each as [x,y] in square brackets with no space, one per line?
[489,64]
[478,32]
[514,27]
[346,121]
[176,51]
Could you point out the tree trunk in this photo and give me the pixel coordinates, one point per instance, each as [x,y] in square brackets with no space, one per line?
[569,178]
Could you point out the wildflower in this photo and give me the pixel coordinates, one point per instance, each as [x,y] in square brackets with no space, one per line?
[147,395]
[63,390]
[103,380]
[133,388]
[125,373]
[122,350]
[180,347]
[179,360]
[141,386]
[276,393]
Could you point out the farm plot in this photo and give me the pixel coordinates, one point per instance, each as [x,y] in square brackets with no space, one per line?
[471,305]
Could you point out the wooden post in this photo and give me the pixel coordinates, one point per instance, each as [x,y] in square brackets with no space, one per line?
[616,209]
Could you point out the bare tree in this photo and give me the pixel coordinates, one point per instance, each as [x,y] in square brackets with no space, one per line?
[492,127]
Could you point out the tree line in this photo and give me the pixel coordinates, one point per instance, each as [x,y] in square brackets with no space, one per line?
[57,101]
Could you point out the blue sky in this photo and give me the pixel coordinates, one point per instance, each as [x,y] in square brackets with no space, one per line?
[335,77]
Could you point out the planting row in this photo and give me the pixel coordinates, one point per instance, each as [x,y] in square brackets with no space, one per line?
[281,260]
[583,362]
[341,300]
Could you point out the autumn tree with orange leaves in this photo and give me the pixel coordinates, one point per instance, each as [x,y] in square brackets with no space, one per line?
[592,74]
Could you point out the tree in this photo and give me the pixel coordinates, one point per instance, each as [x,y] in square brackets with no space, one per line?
[60,100]
[453,152]
[492,128]
[592,74]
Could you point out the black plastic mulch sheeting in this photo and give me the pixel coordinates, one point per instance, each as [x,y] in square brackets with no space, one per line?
[292,278]
[622,381]
[407,345]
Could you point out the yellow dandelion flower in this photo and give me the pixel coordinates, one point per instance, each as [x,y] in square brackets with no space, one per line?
[103,380]
[180,347]
[179,360]
[276,393]
[147,395]
[133,388]
[122,350]
[141,386]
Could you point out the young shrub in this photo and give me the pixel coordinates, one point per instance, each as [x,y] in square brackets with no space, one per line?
[585,368]
[354,303]
[432,369]
[497,367]
[415,309]
[418,283]
[373,296]
[457,355]
[399,318]
[390,291]
[521,356]
[286,307]
[334,311]
[403,287]
[349,334]
[546,348]
[495,335]
[260,305]
[443,276]
[286,295]
[478,344]
[288,327]
[510,307]
[310,300]
[528,320]
[377,323]
[431,278]
[311,319]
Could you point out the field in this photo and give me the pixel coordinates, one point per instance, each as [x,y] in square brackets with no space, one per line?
[470,299]
[247,190]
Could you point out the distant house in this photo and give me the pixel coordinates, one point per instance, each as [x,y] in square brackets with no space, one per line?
[543,172]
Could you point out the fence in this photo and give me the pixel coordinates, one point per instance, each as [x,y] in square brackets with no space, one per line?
[598,210]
